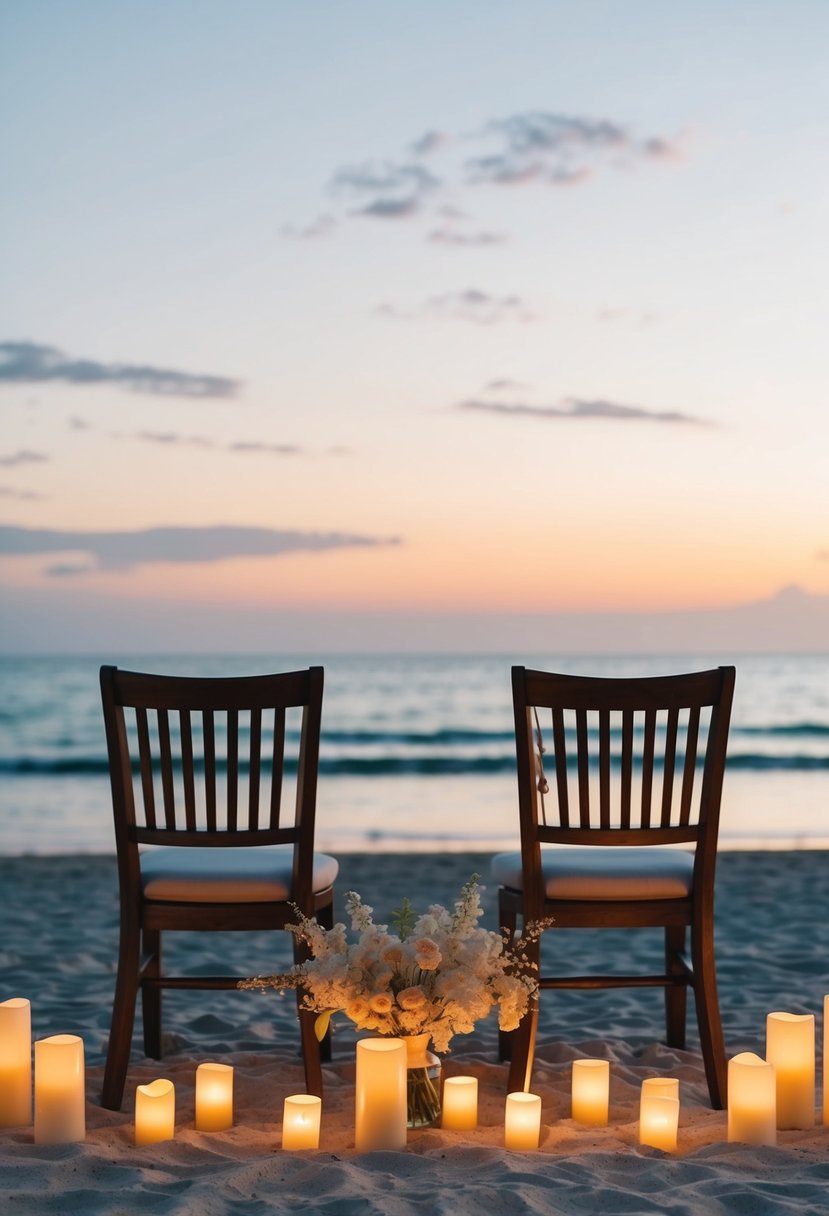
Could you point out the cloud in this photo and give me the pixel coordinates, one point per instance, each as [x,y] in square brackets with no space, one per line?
[429,142]
[575,408]
[504,385]
[274,449]
[391,191]
[471,304]
[21,495]
[450,236]
[32,363]
[22,456]
[124,550]
[172,439]
[322,226]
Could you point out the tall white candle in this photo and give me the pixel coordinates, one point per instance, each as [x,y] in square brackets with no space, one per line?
[752,1102]
[790,1047]
[460,1104]
[380,1095]
[60,1100]
[522,1122]
[826,1061]
[590,1091]
[214,1097]
[155,1112]
[301,1115]
[15,1062]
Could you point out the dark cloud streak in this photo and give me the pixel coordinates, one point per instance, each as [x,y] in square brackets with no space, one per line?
[573,408]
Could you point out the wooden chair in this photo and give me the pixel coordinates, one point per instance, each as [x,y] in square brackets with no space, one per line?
[635,763]
[221,857]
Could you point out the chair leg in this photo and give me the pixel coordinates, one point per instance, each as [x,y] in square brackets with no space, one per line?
[523,1039]
[325,917]
[708,1012]
[311,1048]
[123,1019]
[676,997]
[151,997]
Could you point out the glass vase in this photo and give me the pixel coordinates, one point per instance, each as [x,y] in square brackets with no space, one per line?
[422,1083]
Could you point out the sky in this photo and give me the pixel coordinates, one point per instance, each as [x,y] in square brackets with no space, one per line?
[364,323]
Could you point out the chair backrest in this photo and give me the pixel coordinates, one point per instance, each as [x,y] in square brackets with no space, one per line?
[635,761]
[207,761]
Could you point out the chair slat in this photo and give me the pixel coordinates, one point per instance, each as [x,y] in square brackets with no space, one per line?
[146,759]
[647,766]
[209,734]
[669,766]
[166,758]
[583,754]
[560,749]
[254,770]
[278,765]
[604,768]
[627,767]
[689,768]
[187,774]
[232,770]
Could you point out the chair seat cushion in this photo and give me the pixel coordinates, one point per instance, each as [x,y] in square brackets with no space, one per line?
[227,875]
[597,873]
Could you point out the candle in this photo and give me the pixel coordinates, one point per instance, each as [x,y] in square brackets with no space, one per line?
[155,1112]
[752,1102]
[214,1097]
[15,1062]
[380,1095]
[522,1123]
[460,1104]
[659,1114]
[826,1061]
[790,1047]
[60,1103]
[301,1122]
[590,1091]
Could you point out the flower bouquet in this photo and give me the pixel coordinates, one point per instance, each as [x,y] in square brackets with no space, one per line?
[436,976]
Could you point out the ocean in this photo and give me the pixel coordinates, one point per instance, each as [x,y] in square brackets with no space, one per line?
[417,751]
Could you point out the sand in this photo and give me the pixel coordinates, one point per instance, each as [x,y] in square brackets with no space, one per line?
[58,947]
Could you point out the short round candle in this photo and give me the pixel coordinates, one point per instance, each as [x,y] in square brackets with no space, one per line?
[650,1117]
[752,1104]
[659,1121]
[790,1047]
[15,1062]
[60,1098]
[590,1088]
[522,1122]
[301,1114]
[460,1104]
[214,1097]
[155,1112]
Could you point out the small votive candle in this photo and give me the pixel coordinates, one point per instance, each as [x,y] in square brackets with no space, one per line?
[659,1119]
[654,1087]
[60,1100]
[460,1104]
[522,1122]
[790,1047]
[155,1112]
[15,1062]
[301,1115]
[590,1091]
[380,1111]
[752,1103]
[214,1097]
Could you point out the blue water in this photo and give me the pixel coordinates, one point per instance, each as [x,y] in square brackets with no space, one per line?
[417,752]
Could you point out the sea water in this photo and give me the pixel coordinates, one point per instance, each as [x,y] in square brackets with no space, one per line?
[417,752]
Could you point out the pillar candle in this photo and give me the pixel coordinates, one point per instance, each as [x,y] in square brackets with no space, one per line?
[790,1047]
[752,1103]
[60,1101]
[659,1120]
[522,1122]
[826,1061]
[380,1095]
[214,1097]
[460,1104]
[15,1062]
[654,1087]
[590,1091]
[155,1112]
[301,1122]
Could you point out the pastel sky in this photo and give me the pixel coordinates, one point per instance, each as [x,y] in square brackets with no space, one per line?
[367,308]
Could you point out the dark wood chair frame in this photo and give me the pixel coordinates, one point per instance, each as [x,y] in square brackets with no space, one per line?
[671,823]
[143,921]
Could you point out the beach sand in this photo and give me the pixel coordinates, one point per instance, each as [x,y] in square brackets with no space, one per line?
[58,947]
